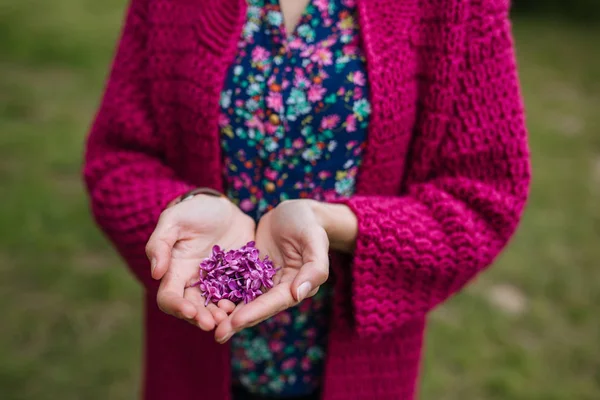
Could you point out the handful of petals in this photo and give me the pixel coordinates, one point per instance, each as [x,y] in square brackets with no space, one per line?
[235,275]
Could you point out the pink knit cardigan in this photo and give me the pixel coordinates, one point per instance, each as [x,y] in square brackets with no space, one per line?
[441,190]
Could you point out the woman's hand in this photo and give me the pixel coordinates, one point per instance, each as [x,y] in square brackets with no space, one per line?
[293,235]
[184,236]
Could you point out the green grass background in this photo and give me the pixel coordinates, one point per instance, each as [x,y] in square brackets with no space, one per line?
[70,313]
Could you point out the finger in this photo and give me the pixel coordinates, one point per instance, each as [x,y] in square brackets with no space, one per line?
[218,314]
[170,297]
[225,330]
[226,305]
[263,307]
[205,318]
[159,246]
[315,270]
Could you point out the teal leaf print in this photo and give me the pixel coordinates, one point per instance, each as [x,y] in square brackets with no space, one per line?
[330,99]
[253,89]
[225,99]
[275,18]
[361,108]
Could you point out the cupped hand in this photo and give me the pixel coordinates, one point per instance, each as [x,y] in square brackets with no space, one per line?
[293,236]
[184,236]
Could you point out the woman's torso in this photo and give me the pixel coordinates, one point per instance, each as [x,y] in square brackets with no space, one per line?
[294,117]
[190,46]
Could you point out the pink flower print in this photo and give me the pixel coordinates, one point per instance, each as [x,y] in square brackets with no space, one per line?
[322,56]
[358,93]
[239,103]
[305,363]
[237,183]
[256,123]
[289,363]
[275,101]
[350,49]
[310,333]
[324,175]
[246,205]
[349,3]
[316,93]
[296,43]
[276,346]
[270,174]
[298,143]
[351,123]
[223,120]
[323,75]
[351,144]
[341,91]
[322,5]
[301,82]
[259,54]
[330,121]
[270,128]
[358,78]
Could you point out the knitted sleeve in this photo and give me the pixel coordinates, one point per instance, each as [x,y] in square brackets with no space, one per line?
[462,206]
[128,183]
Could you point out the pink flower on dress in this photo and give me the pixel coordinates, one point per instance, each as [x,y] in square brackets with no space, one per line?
[316,93]
[223,120]
[296,43]
[324,174]
[256,123]
[276,346]
[300,81]
[270,128]
[246,205]
[351,123]
[270,174]
[349,3]
[275,101]
[350,49]
[330,121]
[322,56]
[237,183]
[358,94]
[289,363]
[322,5]
[305,363]
[358,78]
[259,54]
[298,143]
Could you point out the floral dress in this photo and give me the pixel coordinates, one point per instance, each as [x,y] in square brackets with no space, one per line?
[294,113]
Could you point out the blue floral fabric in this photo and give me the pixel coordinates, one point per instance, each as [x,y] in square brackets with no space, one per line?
[294,115]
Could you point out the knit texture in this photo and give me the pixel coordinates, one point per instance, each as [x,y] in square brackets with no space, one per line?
[443,183]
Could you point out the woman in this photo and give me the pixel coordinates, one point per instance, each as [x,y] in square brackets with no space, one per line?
[388,134]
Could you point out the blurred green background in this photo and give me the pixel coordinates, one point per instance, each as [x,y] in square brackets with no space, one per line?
[526,329]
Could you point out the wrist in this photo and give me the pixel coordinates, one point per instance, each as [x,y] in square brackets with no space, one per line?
[340,224]
[201,191]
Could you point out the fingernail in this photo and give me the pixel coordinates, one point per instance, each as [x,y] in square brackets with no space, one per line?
[303,291]
[153,264]
[225,338]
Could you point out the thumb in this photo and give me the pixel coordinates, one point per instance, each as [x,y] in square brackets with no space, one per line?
[315,270]
[159,247]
